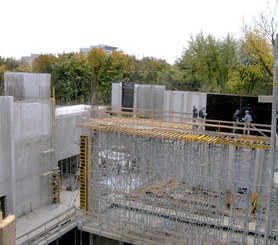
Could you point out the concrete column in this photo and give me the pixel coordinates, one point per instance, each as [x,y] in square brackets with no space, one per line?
[7,153]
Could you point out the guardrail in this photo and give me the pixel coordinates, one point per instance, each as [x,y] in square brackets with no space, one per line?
[158,118]
[43,230]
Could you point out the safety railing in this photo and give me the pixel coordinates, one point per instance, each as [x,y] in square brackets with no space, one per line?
[174,120]
[43,230]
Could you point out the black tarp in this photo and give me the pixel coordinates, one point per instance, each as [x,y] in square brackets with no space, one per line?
[127,95]
[222,107]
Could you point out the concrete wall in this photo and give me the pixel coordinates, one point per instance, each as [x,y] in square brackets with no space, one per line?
[116,100]
[7,158]
[27,86]
[149,97]
[32,129]
[155,97]
[27,143]
[183,101]
[68,134]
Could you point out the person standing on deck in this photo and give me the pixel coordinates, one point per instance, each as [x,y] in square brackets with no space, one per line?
[202,116]
[195,115]
[247,121]
[235,120]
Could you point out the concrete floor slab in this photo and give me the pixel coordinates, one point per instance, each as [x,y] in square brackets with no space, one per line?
[35,218]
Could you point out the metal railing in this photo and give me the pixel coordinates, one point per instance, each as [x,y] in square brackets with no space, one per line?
[159,118]
[43,231]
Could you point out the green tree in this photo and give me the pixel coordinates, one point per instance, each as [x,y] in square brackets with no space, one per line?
[117,67]
[253,73]
[205,63]
[72,78]
[44,63]
[96,59]
[150,70]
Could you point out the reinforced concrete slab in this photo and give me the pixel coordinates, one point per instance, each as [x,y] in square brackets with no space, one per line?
[38,217]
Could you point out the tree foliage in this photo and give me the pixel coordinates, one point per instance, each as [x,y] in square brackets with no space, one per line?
[253,73]
[205,63]
[71,77]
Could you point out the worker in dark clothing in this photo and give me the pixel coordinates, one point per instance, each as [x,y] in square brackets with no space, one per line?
[202,116]
[235,120]
[195,116]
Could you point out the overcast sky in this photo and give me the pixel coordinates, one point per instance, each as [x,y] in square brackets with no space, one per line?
[159,28]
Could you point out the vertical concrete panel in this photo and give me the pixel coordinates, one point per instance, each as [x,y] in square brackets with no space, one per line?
[13,85]
[182,103]
[33,130]
[166,104]
[149,97]
[158,96]
[32,120]
[135,104]
[27,86]
[116,100]
[7,160]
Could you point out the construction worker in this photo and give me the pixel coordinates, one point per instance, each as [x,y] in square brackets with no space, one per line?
[195,115]
[235,120]
[247,119]
[202,116]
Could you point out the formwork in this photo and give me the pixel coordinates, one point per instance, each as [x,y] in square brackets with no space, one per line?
[152,180]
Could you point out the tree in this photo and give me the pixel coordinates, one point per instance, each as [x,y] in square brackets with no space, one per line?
[205,63]
[44,63]
[117,67]
[72,78]
[256,59]
[267,23]
[96,58]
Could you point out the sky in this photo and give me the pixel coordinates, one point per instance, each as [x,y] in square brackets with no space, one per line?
[156,28]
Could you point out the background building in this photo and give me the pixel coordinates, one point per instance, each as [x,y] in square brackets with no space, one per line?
[106,48]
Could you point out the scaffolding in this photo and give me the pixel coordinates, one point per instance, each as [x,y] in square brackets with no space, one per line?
[50,172]
[158,181]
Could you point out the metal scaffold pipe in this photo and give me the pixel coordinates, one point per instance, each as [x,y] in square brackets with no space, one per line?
[273,145]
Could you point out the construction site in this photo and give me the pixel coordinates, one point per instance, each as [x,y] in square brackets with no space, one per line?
[140,171]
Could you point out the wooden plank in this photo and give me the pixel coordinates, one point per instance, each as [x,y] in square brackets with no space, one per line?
[265,99]
[7,231]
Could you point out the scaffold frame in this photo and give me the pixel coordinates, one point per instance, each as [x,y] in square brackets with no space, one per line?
[162,181]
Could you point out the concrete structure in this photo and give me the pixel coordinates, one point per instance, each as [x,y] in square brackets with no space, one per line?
[157,98]
[7,156]
[32,127]
[145,175]
[28,146]
[67,141]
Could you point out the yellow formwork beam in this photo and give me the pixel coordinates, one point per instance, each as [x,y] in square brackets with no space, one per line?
[55,186]
[83,178]
[173,131]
